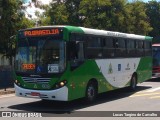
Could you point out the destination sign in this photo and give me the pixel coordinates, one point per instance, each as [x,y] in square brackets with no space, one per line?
[28,66]
[43,32]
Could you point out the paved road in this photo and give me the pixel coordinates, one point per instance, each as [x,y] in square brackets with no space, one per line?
[145,98]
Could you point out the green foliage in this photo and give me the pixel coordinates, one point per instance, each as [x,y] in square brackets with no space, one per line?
[153,12]
[114,15]
[95,13]
[12,19]
[138,18]
[134,17]
[59,14]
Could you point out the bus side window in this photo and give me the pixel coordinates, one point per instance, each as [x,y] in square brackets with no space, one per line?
[140,48]
[130,48]
[115,43]
[74,46]
[72,36]
[108,47]
[76,37]
[120,46]
[94,47]
[80,51]
[147,48]
[76,54]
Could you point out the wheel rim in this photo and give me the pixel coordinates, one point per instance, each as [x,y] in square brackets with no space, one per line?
[91,92]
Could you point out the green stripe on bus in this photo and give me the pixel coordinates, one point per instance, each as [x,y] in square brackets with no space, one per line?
[148,38]
[69,29]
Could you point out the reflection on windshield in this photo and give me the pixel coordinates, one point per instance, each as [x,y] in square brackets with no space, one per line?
[156,56]
[40,55]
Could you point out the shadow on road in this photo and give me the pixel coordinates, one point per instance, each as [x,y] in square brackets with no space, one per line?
[153,80]
[54,107]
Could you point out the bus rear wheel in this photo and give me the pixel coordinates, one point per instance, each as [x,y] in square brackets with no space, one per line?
[91,92]
[133,83]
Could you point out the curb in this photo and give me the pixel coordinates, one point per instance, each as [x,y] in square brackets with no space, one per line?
[3,92]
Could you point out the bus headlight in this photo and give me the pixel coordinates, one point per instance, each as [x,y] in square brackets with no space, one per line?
[60,84]
[17,83]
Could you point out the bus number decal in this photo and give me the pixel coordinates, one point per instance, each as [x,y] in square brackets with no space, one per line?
[119,67]
[53,68]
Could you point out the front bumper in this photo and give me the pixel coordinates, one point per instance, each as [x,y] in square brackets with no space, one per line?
[155,75]
[60,94]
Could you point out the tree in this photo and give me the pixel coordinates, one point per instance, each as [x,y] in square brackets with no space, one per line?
[72,8]
[11,21]
[96,13]
[116,15]
[153,12]
[113,15]
[57,14]
[138,18]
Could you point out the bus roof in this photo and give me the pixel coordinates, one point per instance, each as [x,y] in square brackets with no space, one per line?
[84,30]
[115,34]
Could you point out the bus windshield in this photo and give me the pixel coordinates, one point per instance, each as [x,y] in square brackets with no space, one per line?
[156,56]
[40,55]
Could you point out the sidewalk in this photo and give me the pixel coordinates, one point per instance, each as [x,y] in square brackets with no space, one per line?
[7,91]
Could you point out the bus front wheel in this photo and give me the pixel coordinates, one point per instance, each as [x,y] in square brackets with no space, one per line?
[91,92]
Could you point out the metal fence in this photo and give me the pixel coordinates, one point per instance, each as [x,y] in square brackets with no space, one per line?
[6,77]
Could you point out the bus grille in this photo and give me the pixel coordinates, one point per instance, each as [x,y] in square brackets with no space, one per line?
[36,80]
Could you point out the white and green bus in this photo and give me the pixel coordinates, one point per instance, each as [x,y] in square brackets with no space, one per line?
[64,63]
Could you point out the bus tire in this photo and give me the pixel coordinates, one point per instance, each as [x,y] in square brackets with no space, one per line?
[91,92]
[133,83]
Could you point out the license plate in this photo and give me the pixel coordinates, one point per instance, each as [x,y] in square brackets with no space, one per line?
[35,94]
